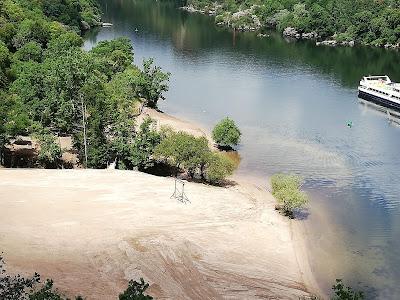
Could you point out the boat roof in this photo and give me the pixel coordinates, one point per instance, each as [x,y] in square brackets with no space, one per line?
[377,78]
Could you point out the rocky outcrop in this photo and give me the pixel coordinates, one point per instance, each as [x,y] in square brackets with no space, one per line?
[310,35]
[391,46]
[291,32]
[331,43]
[190,9]
[209,10]
[85,25]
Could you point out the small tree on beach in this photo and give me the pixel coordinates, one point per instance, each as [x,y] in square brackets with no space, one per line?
[183,150]
[286,189]
[226,133]
[218,167]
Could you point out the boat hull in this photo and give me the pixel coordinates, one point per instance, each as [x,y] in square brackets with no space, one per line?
[379,100]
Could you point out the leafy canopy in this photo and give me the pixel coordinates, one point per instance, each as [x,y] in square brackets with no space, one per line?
[286,189]
[226,133]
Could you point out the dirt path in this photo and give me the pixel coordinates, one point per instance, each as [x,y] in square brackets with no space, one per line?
[93,230]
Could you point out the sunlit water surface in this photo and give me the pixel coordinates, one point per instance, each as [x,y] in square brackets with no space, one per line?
[292,102]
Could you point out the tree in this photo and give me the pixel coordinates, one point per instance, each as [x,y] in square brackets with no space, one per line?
[5,56]
[153,83]
[218,167]
[183,150]
[226,133]
[20,288]
[113,56]
[144,144]
[135,291]
[343,292]
[15,287]
[50,151]
[29,51]
[286,189]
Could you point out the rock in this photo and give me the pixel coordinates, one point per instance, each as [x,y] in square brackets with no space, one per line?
[85,26]
[290,32]
[189,8]
[392,46]
[352,43]
[331,43]
[310,35]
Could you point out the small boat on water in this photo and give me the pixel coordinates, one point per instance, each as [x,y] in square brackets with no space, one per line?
[106,24]
[380,90]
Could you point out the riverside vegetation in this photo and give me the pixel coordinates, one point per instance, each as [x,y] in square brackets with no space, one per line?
[50,87]
[17,287]
[346,22]
[286,189]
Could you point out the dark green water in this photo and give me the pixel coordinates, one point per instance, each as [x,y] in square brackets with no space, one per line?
[292,102]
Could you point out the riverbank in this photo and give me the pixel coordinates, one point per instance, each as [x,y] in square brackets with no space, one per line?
[93,230]
[297,229]
[259,18]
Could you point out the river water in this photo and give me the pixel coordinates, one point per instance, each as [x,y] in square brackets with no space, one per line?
[292,101]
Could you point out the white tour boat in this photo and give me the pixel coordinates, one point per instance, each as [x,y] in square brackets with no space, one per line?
[381,90]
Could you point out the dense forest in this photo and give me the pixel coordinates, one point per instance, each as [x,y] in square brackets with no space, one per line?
[369,22]
[50,87]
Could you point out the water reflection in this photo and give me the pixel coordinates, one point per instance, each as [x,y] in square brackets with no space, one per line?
[292,102]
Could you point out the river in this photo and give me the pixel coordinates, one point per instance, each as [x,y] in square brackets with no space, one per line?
[292,101]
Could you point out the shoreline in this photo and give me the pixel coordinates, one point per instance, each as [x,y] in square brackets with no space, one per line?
[228,242]
[297,229]
[288,32]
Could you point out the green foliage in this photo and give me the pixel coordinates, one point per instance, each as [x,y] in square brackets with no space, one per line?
[218,167]
[144,144]
[286,189]
[47,79]
[343,292]
[15,287]
[135,291]
[367,22]
[46,292]
[183,151]
[29,51]
[50,151]
[153,83]
[20,288]
[113,56]
[226,133]
[193,154]
[5,57]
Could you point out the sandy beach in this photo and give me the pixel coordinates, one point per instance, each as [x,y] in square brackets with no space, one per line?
[93,230]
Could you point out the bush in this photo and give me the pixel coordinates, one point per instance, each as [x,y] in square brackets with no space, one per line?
[19,288]
[183,151]
[219,166]
[343,292]
[226,133]
[144,144]
[286,189]
[50,151]
[135,291]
